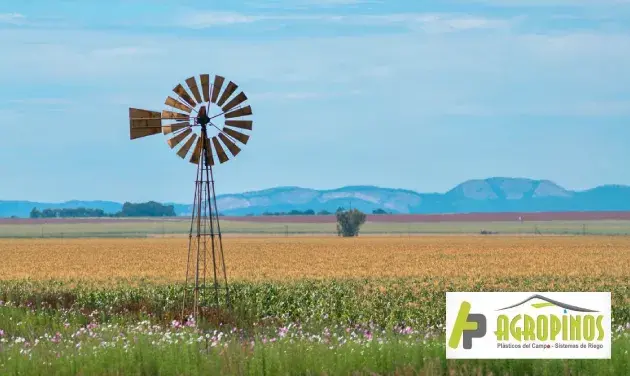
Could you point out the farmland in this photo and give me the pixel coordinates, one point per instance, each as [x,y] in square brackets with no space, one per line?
[316,225]
[265,258]
[373,304]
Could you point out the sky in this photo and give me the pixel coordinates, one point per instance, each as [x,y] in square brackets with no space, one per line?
[420,95]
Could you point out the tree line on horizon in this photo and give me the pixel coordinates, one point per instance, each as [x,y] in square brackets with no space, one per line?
[312,212]
[348,221]
[145,209]
[155,209]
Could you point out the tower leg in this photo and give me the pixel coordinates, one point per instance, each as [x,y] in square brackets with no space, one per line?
[204,229]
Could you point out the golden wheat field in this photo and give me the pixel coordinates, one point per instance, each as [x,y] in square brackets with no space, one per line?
[310,257]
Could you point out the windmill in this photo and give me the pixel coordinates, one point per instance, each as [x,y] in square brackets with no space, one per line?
[190,117]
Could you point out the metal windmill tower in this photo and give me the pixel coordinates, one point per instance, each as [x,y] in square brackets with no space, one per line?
[188,119]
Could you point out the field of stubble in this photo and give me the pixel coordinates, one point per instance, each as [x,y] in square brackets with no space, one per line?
[272,258]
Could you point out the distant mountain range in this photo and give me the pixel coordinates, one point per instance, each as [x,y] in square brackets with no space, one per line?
[497,194]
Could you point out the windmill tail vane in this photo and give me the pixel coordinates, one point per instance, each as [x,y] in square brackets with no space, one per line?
[192,113]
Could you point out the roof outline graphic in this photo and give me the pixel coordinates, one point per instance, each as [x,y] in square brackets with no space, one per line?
[559,304]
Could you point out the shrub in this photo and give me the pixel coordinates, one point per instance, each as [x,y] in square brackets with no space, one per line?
[349,222]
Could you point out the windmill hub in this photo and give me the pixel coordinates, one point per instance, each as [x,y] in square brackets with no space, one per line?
[202,117]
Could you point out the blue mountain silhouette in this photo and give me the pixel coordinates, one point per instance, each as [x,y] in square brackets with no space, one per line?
[497,194]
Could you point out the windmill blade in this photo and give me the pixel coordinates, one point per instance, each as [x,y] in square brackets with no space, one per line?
[143,123]
[208,151]
[142,132]
[174,127]
[179,138]
[220,152]
[243,138]
[177,104]
[240,98]
[205,87]
[186,148]
[194,158]
[216,88]
[174,115]
[229,90]
[238,113]
[139,118]
[230,145]
[192,85]
[179,90]
[243,124]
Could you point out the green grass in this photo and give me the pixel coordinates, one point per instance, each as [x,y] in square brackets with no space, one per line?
[169,227]
[162,355]
[306,327]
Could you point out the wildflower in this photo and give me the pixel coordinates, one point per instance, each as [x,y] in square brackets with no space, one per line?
[368,335]
[56,338]
[283,331]
[190,322]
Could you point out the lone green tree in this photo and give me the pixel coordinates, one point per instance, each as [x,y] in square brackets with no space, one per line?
[349,222]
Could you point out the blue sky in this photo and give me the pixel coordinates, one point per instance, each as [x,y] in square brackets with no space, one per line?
[419,95]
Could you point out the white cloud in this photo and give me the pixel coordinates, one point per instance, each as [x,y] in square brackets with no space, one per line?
[330,2]
[302,95]
[209,19]
[42,101]
[429,22]
[12,18]
[433,22]
[591,108]
[307,4]
[125,51]
[445,73]
[578,108]
[336,2]
[279,96]
[553,3]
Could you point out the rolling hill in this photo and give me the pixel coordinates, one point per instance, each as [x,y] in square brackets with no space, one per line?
[497,194]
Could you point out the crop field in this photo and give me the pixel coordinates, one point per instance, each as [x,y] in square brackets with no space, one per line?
[300,305]
[268,258]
